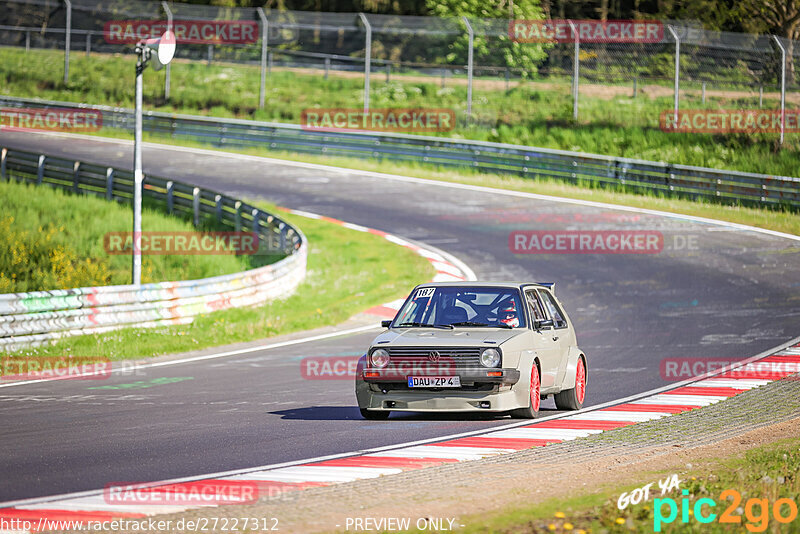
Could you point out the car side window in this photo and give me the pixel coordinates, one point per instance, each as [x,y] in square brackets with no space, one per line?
[553,310]
[537,312]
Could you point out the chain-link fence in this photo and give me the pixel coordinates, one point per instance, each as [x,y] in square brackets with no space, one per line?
[477,67]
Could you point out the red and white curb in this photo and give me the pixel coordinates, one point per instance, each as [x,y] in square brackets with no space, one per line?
[276,480]
[448,268]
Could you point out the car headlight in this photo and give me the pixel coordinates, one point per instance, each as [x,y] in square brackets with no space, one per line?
[490,358]
[379,358]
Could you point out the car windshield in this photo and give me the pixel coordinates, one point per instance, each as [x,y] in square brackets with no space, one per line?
[498,307]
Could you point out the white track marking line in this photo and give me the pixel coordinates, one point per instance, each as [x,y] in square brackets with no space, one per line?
[682,400]
[432,451]
[737,383]
[615,415]
[545,433]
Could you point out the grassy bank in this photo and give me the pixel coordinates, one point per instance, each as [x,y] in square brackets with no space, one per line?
[767,473]
[339,261]
[52,239]
[536,113]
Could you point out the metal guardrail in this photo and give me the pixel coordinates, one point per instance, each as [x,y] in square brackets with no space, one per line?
[29,319]
[525,161]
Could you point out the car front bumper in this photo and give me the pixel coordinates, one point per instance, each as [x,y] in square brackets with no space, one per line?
[479,393]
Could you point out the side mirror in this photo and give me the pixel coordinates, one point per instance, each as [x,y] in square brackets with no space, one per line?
[387,323]
[543,324]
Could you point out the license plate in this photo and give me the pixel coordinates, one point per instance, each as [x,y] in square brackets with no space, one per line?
[434,382]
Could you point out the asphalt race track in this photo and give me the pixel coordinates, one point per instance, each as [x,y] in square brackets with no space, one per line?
[712,292]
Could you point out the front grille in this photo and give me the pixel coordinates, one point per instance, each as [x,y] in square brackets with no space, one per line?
[458,357]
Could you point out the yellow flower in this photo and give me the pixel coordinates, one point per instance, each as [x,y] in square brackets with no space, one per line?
[620,520]
[560,515]
[567,526]
[580,531]
[551,526]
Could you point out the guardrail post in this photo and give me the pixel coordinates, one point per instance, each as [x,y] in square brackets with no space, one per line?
[170,196]
[282,229]
[783,86]
[327,66]
[237,218]
[76,171]
[264,44]
[218,207]
[470,52]
[40,170]
[677,67]
[28,41]
[109,183]
[575,69]
[168,74]
[3,157]
[196,205]
[67,35]
[367,59]
[255,215]
[88,43]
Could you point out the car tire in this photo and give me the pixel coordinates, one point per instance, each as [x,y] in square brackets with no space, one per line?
[534,398]
[572,399]
[374,415]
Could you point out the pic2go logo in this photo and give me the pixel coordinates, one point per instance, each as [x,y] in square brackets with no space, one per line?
[756,511]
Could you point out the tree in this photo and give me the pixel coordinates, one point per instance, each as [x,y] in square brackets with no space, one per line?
[492,41]
[779,17]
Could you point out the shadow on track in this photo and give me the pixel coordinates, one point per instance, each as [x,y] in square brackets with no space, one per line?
[351,413]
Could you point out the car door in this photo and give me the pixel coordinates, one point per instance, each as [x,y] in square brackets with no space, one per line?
[545,346]
[560,334]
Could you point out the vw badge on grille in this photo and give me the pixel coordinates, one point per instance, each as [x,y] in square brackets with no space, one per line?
[433,355]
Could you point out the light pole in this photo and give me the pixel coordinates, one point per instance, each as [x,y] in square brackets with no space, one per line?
[164,48]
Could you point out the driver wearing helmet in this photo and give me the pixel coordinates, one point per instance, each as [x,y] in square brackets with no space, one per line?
[508,314]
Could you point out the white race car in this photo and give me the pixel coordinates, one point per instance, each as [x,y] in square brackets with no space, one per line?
[474,346]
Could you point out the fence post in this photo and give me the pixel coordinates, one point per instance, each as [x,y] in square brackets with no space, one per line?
[704,93]
[88,43]
[388,71]
[170,196]
[327,66]
[367,59]
[783,86]
[67,35]
[109,183]
[168,74]
[196,205]
[28,41]
[635,83]
[264,28]
[470,51]
[218,207]
[3,157]
[677,67]
[237,219]
[210,54]
[40,170]
[575,69]
[760,96]
[76,171]
[444,75]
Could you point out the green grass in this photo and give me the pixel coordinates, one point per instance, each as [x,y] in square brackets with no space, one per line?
[535,113]
[768,472]
[348,272]
[54,240]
